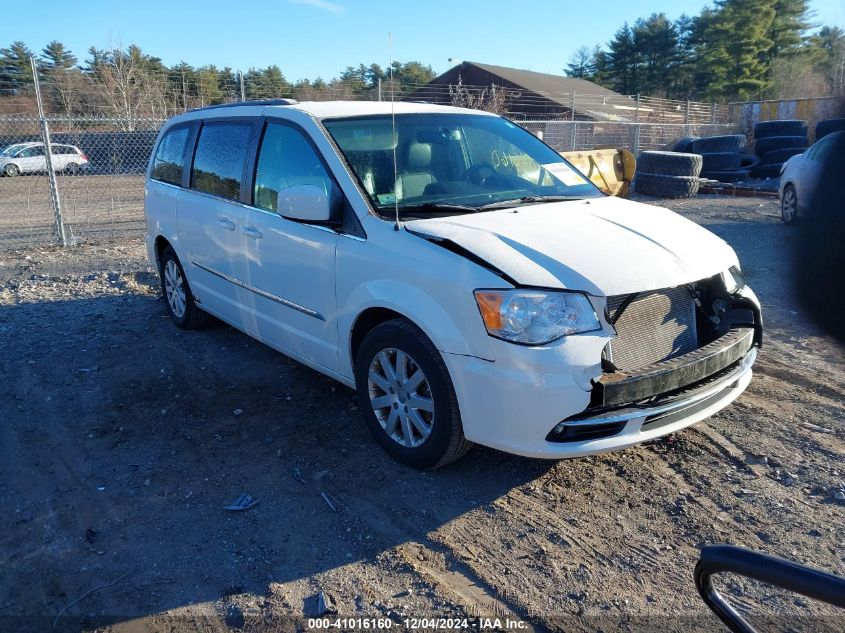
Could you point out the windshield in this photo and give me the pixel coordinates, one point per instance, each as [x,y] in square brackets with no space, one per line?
[9,151]
[453,163]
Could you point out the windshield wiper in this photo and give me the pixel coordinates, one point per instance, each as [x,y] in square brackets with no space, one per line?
[434,207]
[500,204]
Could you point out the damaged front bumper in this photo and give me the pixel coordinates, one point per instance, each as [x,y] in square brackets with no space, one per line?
[525,408]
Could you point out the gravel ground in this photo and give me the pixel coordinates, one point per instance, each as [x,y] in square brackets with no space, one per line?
[123,438]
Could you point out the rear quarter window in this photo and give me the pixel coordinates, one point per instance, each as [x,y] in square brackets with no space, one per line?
[168,163]
[220,158]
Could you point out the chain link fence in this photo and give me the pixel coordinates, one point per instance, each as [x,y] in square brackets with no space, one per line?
[99,160]
[566,136]
[103,200]
[99,175]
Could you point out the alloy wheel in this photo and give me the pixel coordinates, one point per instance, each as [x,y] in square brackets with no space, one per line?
[789,205]
[174,287]
[401,397]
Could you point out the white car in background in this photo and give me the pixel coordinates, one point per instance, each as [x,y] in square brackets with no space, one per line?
[800,176]
[28,158]
[510,304]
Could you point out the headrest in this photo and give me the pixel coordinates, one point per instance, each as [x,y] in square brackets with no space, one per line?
[419,156]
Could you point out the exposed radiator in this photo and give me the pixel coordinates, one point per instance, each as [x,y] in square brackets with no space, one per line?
[653,327]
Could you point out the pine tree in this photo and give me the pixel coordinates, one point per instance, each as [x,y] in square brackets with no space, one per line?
[656,46]
[788,27]
[55,56]
[622,61]
[735,48]
[15,67]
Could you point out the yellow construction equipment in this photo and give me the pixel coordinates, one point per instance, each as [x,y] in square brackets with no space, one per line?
[611,170]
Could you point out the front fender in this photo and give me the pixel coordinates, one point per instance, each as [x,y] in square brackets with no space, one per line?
[442,327]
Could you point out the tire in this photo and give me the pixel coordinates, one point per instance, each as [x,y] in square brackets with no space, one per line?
[662,186]
[11,170]
[445,441]
[789,205]
[770,143]
[780,155]
[766,171]
[683,143]
[185,314]
[721,161]
[731,175]
[749,161]
[823,128]
[71,169]
[718,144]
[669,163]
[789,127]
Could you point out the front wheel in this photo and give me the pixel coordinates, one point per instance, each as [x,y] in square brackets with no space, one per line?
[407,397]
[11,170]
[178,298]
[789,205]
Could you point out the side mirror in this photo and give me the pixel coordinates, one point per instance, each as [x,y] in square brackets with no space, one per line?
[308,203]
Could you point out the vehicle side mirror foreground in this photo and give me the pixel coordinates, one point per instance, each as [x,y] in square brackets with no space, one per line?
[770,570]
[308,203]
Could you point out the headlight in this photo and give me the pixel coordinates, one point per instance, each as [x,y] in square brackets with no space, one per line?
[734,280]
[535,317]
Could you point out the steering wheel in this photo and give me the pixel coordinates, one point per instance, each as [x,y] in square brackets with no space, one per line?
[478,174]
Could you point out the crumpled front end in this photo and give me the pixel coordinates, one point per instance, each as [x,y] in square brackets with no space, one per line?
[663,361]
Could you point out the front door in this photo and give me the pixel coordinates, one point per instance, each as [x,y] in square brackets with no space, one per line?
[289,264]
[32,159]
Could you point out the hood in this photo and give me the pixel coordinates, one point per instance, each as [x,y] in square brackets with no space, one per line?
[602,246]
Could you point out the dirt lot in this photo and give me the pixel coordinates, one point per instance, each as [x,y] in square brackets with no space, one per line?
[120,445]
[95,208]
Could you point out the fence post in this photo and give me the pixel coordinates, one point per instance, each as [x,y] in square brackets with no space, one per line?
[713,113]
[637,139]
[637,112]
[379,88]
[686,113]
[572,107]
[243,93]
[48,155]
[574,138]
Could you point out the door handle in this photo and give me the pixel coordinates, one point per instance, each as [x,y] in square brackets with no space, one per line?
[251,231]
[226,223]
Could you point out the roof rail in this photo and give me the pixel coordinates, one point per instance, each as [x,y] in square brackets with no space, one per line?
[253,102]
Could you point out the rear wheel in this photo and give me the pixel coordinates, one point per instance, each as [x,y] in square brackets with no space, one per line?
[178,298]
[71,169]
[11,170]
[407,396]
[789,205]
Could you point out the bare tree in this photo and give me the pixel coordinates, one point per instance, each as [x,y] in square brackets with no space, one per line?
[127,89]
[495,99]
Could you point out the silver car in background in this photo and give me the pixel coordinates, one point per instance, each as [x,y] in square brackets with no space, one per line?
[800,175]
[28,158]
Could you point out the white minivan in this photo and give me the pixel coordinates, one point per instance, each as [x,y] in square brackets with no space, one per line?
[469,283]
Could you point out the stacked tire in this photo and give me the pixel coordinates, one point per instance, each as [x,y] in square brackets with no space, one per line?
[775,142]
[823,128]
[667,174]
[722,157]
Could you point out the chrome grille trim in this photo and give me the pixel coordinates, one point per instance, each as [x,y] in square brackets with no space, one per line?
[653,327]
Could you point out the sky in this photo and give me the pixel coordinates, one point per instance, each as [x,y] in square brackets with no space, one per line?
[319,38]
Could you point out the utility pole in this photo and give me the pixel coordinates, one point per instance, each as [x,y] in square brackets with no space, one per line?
[48,155]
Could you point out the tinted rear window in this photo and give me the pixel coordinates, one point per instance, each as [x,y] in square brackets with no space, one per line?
[167,164]
[220,157]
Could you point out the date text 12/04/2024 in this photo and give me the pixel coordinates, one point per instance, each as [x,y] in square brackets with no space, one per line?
[418,624]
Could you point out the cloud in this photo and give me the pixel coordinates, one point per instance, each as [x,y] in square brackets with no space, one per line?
[324,5]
